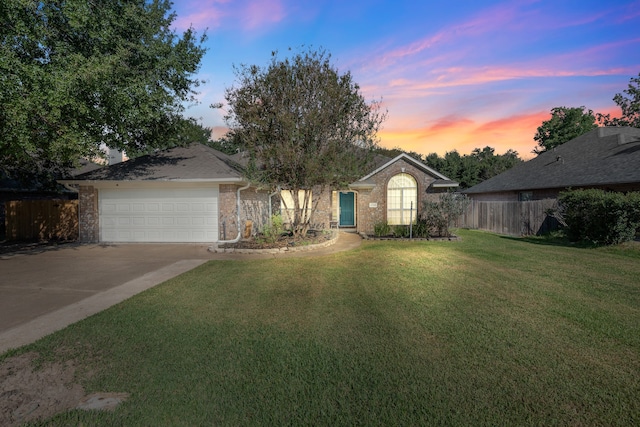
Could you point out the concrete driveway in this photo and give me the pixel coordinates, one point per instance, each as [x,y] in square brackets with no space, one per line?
[43,291]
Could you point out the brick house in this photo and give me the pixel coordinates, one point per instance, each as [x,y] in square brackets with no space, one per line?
[198,194]
[393,192]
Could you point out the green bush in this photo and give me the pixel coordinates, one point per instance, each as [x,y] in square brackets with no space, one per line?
[272,232]
[439,215]
[401,230]
[600,217]
[382,229]
[421,229]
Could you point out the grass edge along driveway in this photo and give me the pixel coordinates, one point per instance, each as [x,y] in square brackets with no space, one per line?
[486,331]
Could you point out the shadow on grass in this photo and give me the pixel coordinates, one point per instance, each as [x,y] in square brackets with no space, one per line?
[551,240]
[627,249]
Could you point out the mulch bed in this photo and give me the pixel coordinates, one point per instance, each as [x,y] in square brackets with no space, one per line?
[286,240]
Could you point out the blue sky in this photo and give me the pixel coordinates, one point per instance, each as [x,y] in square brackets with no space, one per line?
[453,75]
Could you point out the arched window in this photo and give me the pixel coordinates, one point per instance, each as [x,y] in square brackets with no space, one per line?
[402,199]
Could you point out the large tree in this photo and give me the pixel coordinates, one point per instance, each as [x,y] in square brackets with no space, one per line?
[629,103]
[76,74]
[565,124]
[305,125]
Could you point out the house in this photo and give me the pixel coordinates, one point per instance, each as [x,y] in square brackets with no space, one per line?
[392,192]
[521,200]
[198,194]
[606,158]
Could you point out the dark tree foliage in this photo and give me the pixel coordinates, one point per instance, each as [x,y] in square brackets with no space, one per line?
[228,144]
[395,152]
[629,103]
[304,125]
[565,124]
[471,169]
[76,74]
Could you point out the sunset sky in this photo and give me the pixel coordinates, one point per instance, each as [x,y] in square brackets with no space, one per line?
[453,75]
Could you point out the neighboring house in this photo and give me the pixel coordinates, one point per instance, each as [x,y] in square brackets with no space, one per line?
[520,201]
[606,158]
[198,194]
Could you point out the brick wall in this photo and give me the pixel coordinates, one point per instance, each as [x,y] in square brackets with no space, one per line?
[88,218]
[227,212]
[372,204]
[254,206]
[322,217]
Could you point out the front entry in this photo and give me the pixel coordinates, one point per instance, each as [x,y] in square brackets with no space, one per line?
[347,209]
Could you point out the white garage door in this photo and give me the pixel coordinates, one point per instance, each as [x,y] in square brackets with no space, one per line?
[159,215]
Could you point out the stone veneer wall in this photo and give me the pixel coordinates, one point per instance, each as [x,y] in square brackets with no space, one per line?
[88,217]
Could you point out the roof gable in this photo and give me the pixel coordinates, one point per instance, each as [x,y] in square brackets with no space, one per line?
[603,156]
[408,159]
[195,162]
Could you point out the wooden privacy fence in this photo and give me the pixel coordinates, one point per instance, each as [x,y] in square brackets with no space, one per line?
[512,218]
[42,220]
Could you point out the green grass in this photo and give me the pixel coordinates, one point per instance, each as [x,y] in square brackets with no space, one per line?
[486,331]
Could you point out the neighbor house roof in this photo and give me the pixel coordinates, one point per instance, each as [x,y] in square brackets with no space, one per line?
[603,156]
[192,163]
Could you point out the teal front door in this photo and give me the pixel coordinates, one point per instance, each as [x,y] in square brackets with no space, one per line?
[347,209]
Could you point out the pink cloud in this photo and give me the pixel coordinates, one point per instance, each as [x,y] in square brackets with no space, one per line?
[251,14]
[488,21]
[201,14]
[464,134]
[259,13]
[218,131]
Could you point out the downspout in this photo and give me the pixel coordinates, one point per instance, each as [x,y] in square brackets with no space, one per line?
[238,222]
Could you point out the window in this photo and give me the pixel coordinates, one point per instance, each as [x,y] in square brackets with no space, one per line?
[402,199]
[287,205]
[525,196]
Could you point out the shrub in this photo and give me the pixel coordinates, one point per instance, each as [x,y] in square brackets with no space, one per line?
[600,217]
[439,215]
[421,229]
[272,231]
[401,230]
[382,229]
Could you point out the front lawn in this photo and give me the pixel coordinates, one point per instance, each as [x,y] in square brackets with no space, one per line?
[489,330]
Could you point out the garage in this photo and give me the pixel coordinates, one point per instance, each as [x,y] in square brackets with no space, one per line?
[164,215]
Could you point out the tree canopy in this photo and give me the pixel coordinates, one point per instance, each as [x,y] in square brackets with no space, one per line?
[304,125]
[629,103]
[468,169]
[565,124]
[77,74]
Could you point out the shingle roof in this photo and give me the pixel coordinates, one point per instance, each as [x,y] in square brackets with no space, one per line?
[193,162]
[604,156]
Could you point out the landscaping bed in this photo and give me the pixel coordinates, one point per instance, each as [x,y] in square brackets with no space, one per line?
[284,242]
